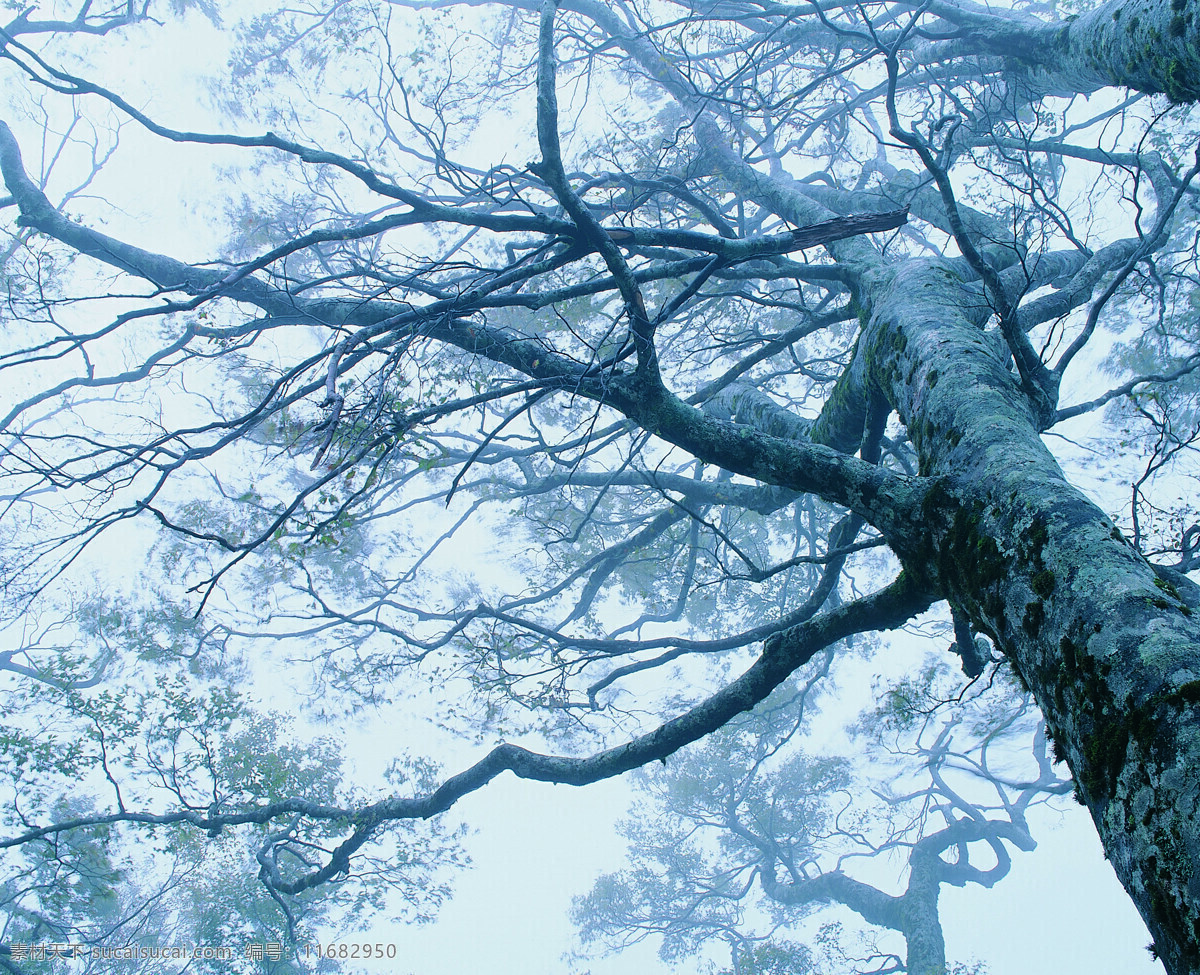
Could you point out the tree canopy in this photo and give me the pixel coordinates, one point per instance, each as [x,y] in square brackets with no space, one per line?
[589,370]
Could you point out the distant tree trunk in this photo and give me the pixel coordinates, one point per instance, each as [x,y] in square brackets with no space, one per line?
[920,920]
[913,914]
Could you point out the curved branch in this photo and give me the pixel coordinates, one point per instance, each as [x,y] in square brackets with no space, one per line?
[889,608]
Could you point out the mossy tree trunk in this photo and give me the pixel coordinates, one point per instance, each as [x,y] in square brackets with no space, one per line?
[1109,649]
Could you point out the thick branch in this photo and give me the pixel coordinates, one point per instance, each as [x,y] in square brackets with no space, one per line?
[887,609]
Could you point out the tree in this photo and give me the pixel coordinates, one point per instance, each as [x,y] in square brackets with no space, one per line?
[749,835]
[111,900]
[647,354]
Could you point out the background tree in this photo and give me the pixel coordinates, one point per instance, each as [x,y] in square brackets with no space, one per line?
[600,275]
[747,838]
[90,883]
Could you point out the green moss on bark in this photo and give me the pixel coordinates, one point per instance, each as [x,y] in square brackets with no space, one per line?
[1043,583]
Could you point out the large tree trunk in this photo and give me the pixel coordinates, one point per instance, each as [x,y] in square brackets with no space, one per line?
[1151,46]
[1108,649]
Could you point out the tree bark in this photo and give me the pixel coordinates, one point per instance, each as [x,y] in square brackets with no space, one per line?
[1108,650]
[1151,46]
